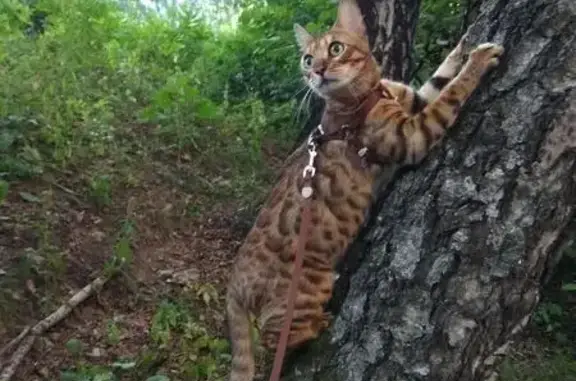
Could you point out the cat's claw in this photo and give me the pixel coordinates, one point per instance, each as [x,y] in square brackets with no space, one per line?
[487,53]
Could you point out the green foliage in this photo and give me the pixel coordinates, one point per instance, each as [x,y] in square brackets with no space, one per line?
[194,352]
[103,80]
[539,366]
[3,190]
[101,87]
[74,346]
[100,190]
[18,156]
[112,332]
[176,333]
[549,316]
[83,371]
[437,34]
[102,75]
[123,254]
[200,355]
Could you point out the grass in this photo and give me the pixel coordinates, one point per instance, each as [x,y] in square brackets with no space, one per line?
[549,353]
[537,365]
[177,337]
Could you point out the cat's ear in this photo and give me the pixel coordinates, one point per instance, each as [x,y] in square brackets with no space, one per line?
[350,18]
[302,36]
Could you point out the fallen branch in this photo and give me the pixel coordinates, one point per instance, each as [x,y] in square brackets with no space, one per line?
[17,358]
[45,324]
[71,194]
[13,343]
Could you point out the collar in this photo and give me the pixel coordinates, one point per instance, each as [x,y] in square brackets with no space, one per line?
[333,122]
[335,126]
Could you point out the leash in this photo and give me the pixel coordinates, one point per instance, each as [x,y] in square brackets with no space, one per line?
[307,190]
[360,156]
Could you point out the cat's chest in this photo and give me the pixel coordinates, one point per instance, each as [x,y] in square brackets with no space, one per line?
[340,164]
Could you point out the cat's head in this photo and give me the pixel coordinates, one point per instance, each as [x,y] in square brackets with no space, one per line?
[338,64]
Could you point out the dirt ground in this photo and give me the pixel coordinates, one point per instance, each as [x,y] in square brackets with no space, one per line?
[65,242]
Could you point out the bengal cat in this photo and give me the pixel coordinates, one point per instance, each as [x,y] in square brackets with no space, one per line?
[399,130]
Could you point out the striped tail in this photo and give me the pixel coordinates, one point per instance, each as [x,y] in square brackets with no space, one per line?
[243,367]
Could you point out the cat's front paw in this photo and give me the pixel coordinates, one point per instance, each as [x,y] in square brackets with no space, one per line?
[487,55]
[391,89]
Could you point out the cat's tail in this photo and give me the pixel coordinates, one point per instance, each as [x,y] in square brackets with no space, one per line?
[238,319]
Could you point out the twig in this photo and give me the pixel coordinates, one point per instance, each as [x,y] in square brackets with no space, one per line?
[14,342]
[62,187]
[71,194]
[67,307]
[17,358]
[47,323]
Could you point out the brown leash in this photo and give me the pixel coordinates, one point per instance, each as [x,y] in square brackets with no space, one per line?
[317,137]
[307,174]
[298,260]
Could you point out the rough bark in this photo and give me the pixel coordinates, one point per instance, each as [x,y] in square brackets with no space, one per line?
[470,10]
[449,267]
[391,25]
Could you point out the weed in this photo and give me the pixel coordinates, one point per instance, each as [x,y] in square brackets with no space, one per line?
[84,371]
[100,190]
[207,293]
[112,332]
[200,355]
[168,318]
[3,191]
[554,366]
[548,316]
[194,353]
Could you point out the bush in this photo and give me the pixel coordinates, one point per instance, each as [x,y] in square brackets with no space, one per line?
[88,80]
[79,89]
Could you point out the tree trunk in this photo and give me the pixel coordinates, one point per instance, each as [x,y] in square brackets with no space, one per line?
[391,25]
[450,264]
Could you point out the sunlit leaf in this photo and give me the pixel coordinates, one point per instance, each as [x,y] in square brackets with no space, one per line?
[158,377]
[29,197]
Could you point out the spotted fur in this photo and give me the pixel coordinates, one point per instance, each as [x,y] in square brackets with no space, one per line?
[394,129]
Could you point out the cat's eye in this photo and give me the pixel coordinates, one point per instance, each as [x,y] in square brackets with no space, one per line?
[336,48]
[307,61]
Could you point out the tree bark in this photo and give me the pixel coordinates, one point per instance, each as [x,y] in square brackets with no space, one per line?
[449,266]
[391,25]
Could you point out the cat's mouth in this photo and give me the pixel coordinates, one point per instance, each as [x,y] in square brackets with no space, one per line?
[324,84]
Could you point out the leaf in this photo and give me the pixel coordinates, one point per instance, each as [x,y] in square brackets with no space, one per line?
[71,376]
[124,365]
[158,377]
[206,110]
[3,190]
[7,138]
[123,250]
[108,376]
[569,287]
[29,197]
[74,346]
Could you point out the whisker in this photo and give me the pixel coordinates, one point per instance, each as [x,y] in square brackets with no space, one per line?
[302,106]
[299,91]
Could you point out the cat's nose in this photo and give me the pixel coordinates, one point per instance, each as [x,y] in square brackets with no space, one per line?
[319,70]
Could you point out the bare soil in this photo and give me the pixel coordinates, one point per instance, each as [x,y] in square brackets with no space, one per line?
[71,240]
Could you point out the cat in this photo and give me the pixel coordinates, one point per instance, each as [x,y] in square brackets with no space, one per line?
[399,127]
